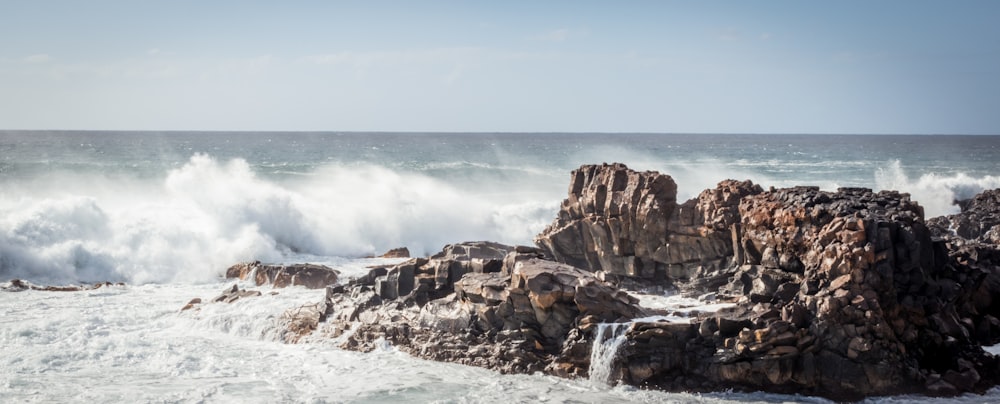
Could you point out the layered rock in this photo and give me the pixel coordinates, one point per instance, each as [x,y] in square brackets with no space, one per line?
[614,220]
[310,276]
[628,224]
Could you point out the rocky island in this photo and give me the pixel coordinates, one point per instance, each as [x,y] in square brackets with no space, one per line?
[842,294]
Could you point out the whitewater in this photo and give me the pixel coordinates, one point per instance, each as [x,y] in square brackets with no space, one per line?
[167,213]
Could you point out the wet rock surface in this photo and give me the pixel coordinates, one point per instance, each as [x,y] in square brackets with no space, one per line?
[481,304]
[978,221]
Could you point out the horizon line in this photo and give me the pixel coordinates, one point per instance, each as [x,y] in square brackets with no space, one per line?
[422,132]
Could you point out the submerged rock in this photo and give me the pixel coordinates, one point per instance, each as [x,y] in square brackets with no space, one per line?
[18,285]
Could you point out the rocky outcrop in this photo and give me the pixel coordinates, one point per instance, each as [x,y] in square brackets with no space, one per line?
[310,276]
[401,252]
[978,221]
[614,220]
[841,294]
[628,225]
[514,313]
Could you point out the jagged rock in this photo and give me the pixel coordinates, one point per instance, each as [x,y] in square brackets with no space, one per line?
[521,318]
[401,252]
[979,219]
[840,294]
[870,304]
[614,220]
[310,276]
[628,224]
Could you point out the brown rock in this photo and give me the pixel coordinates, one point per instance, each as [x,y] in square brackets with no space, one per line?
[401,252]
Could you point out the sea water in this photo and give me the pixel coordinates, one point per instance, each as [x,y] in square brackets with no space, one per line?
[166,213]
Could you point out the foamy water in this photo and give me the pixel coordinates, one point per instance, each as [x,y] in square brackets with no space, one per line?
[133,344]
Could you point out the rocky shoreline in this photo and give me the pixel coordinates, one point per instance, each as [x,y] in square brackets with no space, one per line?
[842,294]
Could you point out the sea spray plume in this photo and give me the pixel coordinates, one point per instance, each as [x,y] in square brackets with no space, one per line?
[232,198]
[388,208]
[192,222]
[936,193]
[56,241]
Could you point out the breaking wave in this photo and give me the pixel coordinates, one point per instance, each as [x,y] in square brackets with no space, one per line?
[937,193]
[206,215]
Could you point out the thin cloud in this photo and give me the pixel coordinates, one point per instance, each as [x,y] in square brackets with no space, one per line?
[37,58]
[556,35]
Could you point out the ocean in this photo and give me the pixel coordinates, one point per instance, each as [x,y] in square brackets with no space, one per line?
[166,213]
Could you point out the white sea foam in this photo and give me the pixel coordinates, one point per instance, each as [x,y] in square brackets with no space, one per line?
[196,220]
[935,192]
[132,344]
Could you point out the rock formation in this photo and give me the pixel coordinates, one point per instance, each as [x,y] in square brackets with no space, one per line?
[481,304]
[628,224]
[842,294]
[978,221]
[309,275]
[401,252]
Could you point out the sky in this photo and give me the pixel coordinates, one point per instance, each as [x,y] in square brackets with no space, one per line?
[904,66]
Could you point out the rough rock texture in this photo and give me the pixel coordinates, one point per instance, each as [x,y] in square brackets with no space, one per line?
[979,220]
[613,220]
[843,294]
[401,252]
[466,305]
[628,224]
[298,323]
[309,275]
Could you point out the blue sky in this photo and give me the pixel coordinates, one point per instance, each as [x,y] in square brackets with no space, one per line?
[628,66]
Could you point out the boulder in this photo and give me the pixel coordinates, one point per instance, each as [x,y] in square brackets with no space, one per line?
[310,276]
